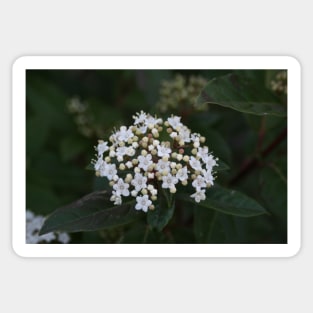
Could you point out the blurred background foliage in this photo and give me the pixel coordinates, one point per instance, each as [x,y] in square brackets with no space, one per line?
[67,111]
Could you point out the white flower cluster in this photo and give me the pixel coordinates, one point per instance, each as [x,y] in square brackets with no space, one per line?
[138,164]
[33,226]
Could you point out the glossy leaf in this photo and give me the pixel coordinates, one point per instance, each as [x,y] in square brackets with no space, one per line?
[229,202]
[240,93]
[162,214]
[93,212]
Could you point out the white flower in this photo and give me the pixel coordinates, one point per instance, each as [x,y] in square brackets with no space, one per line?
[116,198]
[124,134]
[140,118]
[102,147]
[184,134]
[33,226]
[143,203]
[151,122]
[164,150]
[208,177]
[121,151]
[143,129]
[199,182]
[130,151]
[139,182]
[210,162]
[145,161]
[64,237]
[162,165]
[109,170]
[182,174]
[121,188]
[195,164]
[199,195]
[195,137]
[98,164]
[169,181]
[203,153]
[174,121]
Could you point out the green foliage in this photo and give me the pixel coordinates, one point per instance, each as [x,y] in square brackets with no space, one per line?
[92,212]
[243,120]
[240,92]
[229,202]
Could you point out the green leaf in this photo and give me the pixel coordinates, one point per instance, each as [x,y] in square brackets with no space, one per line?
[241,93]
[222,166]
[229,202]
[92,212]
[162,214]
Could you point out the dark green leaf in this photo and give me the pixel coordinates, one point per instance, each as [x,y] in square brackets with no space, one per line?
[240,93]
[229,202]
[162,214]
[222,166]
[92,212]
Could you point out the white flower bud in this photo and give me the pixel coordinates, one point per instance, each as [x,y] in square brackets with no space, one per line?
[173,190]
[137,170]
[179,157]
[151,175]
[122,167]
[186,158]
[129,164]
[153,198]
[107,159]
[128,178]
[184,182]
[194,151]
[144,152]
[144,191]
[196,144]
[134,193]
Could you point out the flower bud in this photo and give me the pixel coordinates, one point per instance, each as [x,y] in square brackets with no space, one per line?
[186,158]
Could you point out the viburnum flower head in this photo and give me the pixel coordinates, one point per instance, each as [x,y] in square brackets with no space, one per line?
[141,166]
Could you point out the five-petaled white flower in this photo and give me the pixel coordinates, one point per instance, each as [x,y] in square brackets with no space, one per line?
[162,165]
[199,195]
[121,188]
[203,153]
[169,181]
[109,170]
[124,134]
[139,182]
[145,161]
[199,182]
[182,174]
[163,150]
[174,121]
[140,118]
[195,164]
[143,203]
[102,147]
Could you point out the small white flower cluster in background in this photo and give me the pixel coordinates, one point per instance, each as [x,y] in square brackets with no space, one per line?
[138,164]
[33,226]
